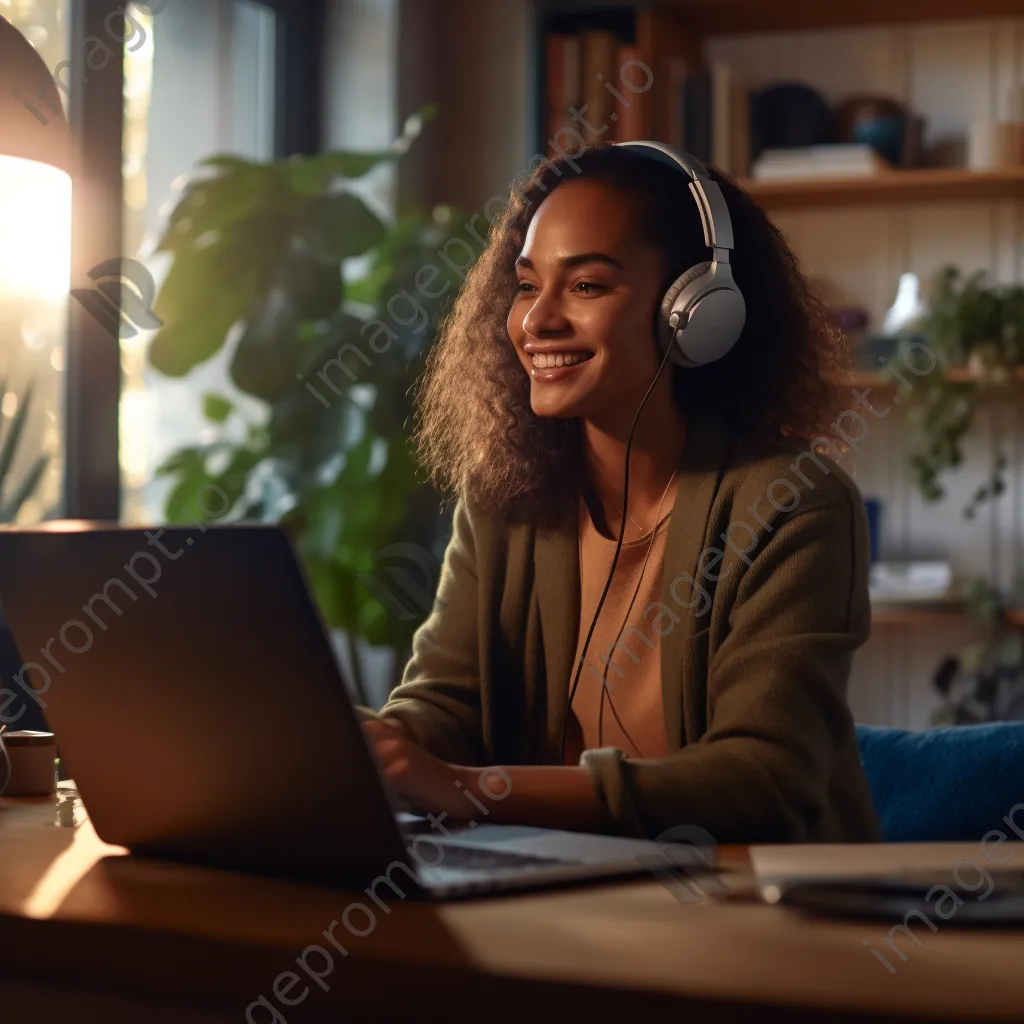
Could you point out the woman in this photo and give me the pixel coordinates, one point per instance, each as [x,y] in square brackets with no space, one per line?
[711,691]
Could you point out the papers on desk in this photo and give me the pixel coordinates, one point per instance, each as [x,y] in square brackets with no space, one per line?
[779,866]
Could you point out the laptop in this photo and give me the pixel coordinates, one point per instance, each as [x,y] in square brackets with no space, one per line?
[199,707]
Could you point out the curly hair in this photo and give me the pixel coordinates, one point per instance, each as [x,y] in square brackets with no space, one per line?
[475,431]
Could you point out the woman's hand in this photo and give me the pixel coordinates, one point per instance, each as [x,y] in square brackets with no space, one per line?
[551,796]
[428,783]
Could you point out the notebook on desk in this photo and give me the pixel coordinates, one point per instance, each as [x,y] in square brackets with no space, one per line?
[777,866]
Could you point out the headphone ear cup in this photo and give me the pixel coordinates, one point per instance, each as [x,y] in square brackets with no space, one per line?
[667,333]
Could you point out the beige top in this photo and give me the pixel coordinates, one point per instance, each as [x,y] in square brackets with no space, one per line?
[618,700]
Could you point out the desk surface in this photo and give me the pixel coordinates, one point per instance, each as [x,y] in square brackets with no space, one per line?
[202,945]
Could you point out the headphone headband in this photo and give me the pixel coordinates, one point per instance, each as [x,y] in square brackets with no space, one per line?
[702,313]
[666,155]
[714,212]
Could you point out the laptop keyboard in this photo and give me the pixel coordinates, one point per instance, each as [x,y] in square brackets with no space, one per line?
[480,858]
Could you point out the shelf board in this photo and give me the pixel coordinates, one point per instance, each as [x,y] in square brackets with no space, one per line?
[936,613]
[926,185]
[913,613]
[729,17]
[882,381]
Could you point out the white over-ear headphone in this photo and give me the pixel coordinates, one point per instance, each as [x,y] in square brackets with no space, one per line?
[702,312]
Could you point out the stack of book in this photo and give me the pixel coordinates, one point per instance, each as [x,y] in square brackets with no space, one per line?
[592,73]
[893,583]
[834,160]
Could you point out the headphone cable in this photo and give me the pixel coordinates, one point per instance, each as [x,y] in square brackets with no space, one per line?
[615,557]
[622,629]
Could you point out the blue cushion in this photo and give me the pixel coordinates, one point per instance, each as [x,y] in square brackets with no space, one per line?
[952,783]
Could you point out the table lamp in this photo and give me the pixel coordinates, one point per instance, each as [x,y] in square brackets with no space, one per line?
[35,229]
[35,183]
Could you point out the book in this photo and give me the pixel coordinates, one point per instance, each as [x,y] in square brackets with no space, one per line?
[630,121]
[740,143]
[730,120]
[721,102]
[563,84]
[673,130]
[831,153]
[697,116]
[832,160]
[600,49]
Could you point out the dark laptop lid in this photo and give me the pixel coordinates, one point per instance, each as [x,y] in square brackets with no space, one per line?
[195,697]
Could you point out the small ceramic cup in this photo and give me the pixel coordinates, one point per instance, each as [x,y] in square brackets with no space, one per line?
[27,763]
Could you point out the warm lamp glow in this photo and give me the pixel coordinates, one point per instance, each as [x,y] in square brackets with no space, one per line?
[35,230]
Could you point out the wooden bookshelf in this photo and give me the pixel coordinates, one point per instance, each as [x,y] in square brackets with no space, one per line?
[670,31]
[933,185]
[931,613]
[727,17]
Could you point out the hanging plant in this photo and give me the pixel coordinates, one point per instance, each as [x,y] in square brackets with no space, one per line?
[975,329]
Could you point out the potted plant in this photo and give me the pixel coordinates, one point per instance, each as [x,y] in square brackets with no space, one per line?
[321,299]
[984,683]
[976,324]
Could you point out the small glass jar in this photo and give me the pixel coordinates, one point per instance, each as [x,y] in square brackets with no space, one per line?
[31,758]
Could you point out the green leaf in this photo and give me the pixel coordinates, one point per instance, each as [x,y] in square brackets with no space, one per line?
[11,441]
[271,349]
[232,162]
[189,465]
[341,226]
[209,289]
[306,286]
[235,476]
[334,591]
[310,176]
[216,407]
[216,203]
[1010,651]
[12,506]
[201,299]
[182,460]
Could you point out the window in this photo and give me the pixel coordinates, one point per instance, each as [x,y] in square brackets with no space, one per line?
[186,80]
[198,81]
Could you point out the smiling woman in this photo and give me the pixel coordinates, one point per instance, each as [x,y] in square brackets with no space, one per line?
[638,227]
[599,497]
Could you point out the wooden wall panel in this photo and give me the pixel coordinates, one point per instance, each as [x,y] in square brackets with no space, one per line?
[952,76]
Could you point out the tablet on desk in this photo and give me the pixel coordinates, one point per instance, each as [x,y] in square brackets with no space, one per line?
[984,898]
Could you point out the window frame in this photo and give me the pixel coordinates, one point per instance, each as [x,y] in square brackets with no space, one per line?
[92,385]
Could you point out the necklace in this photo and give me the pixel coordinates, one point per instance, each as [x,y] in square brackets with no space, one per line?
[657,514]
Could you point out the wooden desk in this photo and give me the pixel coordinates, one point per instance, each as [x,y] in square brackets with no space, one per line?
[89,934]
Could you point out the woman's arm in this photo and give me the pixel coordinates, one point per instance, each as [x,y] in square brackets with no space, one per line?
[437,704]
[547,796]
[429,733]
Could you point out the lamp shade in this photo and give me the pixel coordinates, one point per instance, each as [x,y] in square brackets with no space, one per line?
[32,125]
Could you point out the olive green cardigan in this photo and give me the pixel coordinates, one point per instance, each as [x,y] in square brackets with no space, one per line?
[765,599]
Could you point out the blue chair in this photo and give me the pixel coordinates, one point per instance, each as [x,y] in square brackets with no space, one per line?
[946,784]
